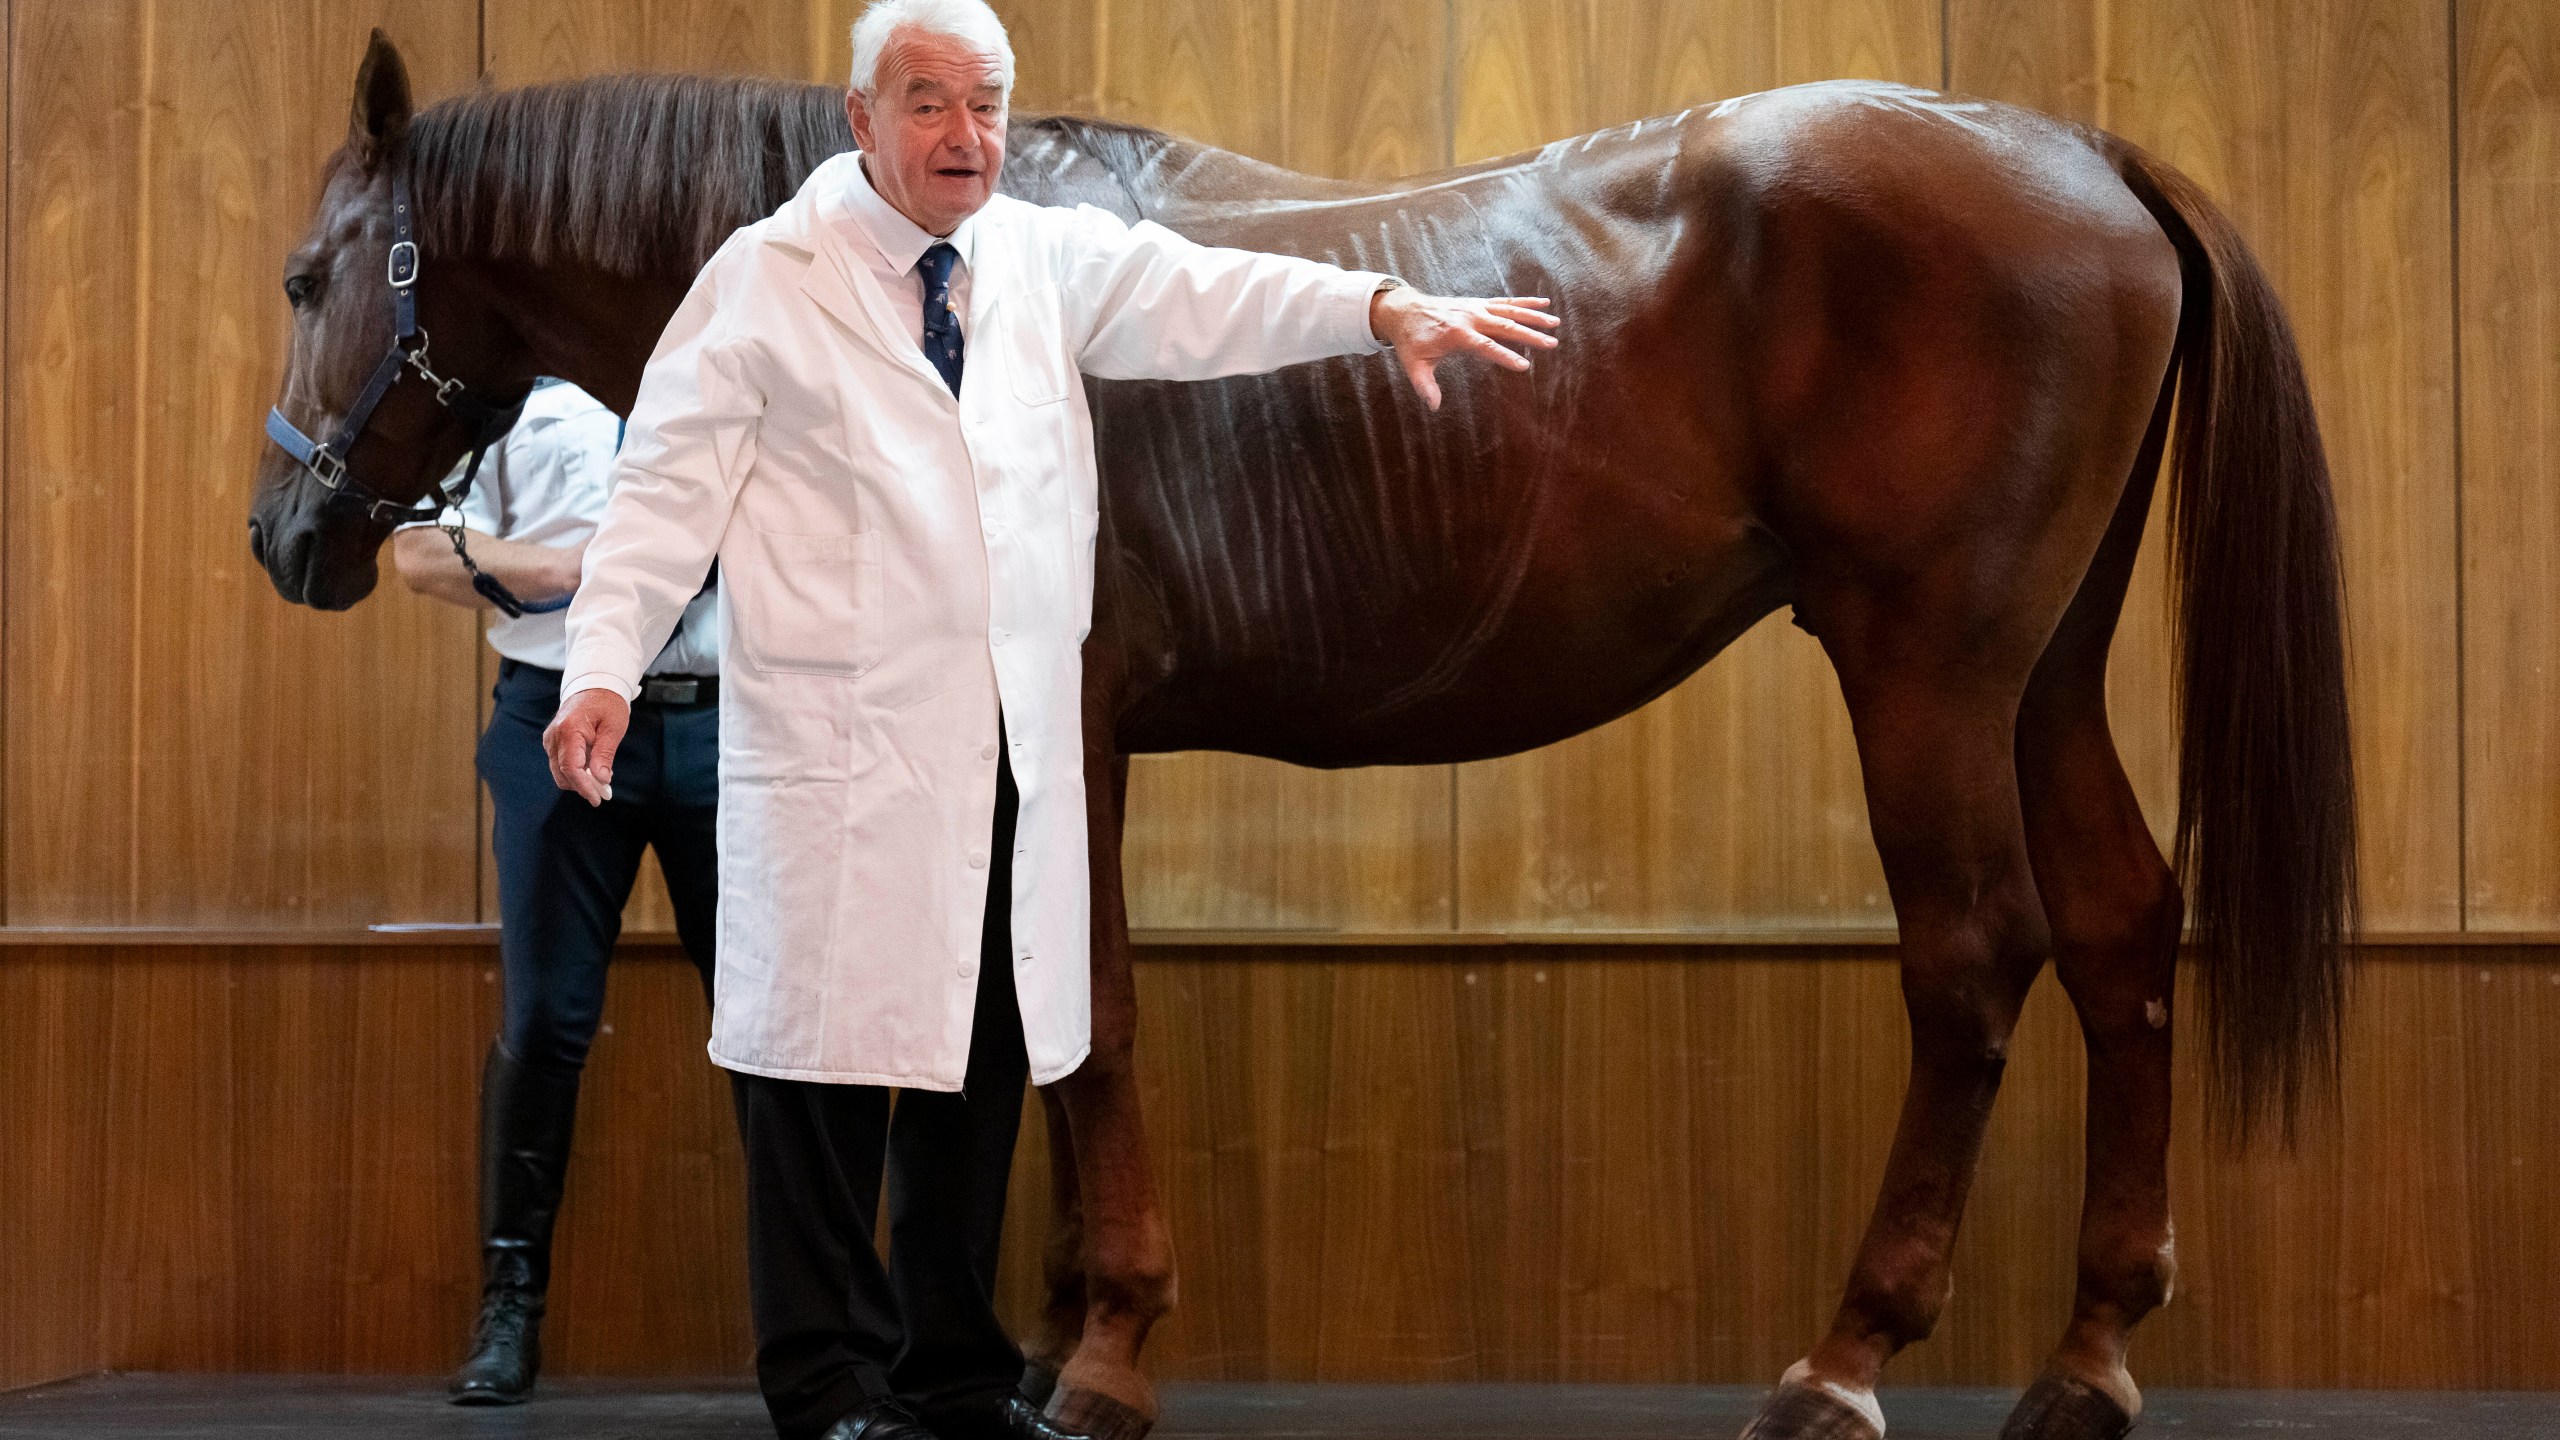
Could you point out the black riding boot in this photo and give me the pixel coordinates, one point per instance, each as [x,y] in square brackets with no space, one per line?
[526,1116]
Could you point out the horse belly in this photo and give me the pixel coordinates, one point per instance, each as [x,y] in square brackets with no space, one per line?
[1599,592]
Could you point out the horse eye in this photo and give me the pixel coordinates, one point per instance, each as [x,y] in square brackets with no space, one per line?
[298,288]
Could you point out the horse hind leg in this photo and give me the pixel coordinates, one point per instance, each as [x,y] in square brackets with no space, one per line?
[1934,723]
[2115,911]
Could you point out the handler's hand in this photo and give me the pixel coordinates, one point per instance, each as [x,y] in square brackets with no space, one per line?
[1425,329]
[581,742]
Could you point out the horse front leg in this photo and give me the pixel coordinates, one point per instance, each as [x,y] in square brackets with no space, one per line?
[1942,790]
[1126,1272]
[1061,1323]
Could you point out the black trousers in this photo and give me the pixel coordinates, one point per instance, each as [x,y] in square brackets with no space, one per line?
[565,868]
[834,1327]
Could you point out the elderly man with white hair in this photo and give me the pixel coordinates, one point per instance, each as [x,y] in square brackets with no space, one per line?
[869,411]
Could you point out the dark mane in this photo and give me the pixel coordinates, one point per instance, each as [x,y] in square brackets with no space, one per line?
[647,174]
[634,174]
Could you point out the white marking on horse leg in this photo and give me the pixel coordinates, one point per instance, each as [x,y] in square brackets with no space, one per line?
[1862,1401]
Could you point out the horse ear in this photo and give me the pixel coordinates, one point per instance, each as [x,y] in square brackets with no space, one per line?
[381,118]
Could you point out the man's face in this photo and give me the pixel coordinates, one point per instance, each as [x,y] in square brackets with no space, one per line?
[933,127]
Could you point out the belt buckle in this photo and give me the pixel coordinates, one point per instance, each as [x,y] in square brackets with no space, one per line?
[671,691]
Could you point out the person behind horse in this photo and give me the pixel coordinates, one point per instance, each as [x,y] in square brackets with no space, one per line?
[867,408]
[564,870]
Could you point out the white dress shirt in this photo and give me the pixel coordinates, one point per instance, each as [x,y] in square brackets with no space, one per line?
[545,484]
[889,244]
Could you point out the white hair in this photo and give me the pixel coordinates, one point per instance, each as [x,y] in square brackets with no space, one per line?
[968,21]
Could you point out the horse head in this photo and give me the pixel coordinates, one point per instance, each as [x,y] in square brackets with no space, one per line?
[316,527]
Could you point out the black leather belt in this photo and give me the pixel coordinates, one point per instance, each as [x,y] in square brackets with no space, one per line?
[679,690]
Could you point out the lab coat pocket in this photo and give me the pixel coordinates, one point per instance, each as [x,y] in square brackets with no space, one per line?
[807,604]
[1035,355]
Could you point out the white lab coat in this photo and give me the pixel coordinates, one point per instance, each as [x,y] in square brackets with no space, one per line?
[894,565]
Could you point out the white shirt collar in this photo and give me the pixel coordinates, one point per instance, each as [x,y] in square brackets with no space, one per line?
[900,241]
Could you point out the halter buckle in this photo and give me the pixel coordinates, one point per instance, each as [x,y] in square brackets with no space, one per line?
[403,269]
[326,467]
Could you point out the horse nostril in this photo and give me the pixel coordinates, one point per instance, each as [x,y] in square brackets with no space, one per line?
[257,541]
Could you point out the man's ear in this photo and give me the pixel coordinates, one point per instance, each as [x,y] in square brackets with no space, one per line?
[379,124]
[858,115]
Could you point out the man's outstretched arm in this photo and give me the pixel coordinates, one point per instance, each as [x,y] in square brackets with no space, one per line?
[1150,304]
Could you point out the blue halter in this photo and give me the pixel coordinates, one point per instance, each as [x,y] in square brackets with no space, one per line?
[326,460]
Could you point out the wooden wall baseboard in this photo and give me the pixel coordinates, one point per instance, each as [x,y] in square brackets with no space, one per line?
[1509,1163]
[1844,941]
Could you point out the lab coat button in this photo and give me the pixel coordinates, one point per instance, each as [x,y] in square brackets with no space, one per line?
[977,859]
[997,638]
[987,753]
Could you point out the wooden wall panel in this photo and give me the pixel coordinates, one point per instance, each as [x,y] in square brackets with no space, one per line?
[531,40]
[8,34]
[184,747]
[2509,191]
[50,1186]
[1484,1164]
[1734,801]
[74,113]
[2323,129]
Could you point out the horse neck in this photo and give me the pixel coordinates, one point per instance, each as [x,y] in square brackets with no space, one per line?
[577,322]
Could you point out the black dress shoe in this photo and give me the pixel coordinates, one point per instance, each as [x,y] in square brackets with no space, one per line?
[880,1420]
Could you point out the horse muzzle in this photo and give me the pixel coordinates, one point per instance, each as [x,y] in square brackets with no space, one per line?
[306,567]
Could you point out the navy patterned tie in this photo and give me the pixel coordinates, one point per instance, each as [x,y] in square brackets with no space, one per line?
[941,323]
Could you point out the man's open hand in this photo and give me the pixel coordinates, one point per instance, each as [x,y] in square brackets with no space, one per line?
[581,741]
[1425,329]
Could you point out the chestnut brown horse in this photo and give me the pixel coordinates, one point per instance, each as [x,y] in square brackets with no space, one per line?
[1901,361]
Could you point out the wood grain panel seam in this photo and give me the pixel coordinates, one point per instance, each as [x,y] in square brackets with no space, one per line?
[145,134]
[8,349]
[2453,274]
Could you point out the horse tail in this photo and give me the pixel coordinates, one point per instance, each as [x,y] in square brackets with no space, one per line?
[2266,839]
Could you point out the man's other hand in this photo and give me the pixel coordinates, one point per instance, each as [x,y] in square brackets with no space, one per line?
[1425,329]
[581,742]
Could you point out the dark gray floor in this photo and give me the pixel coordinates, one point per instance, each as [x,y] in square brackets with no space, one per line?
[168,1407]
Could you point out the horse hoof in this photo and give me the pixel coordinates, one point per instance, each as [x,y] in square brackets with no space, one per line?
[2065,1407]
[1039,1382]
[1090,1412]
[1799,1411]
